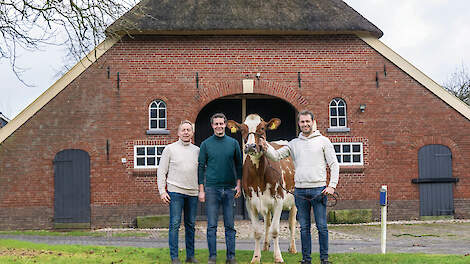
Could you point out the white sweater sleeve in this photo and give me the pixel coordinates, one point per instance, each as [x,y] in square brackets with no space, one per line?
[278,154]
[332,161]
[162,170]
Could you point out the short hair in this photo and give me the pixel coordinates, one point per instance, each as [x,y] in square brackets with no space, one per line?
[305,112]
[218,115]
[186,122]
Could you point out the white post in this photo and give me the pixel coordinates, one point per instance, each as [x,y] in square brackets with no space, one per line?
[383,205]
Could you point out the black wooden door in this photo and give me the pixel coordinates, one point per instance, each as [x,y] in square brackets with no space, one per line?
[436,195]
[275,108]
[72,189]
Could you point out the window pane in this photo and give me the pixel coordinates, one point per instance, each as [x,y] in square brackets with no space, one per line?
[161,123]
[333,112]
[161,104]
[158,160]
[356,158]
[356,148]
[341,111]
[341,103]
[337,148]
[153,113]
[150,161]
[153,105]
[161,112]
[346,148]
[342,122]
[333,103]
[160,150]
[346,158]
[334,122]
[151,151]
[140,151]
[140,161]
[153,124]
[339,158]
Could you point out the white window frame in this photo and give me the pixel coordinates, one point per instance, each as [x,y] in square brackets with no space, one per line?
[337,117]
[350,153]
[146,156]
[160,105]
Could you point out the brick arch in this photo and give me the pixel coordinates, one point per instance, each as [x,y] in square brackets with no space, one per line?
[90,148]
[213,91]
[429,140]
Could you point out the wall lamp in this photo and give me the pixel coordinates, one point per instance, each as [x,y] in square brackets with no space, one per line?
[362,107]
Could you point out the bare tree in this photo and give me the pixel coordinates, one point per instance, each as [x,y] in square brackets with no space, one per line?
[78,25]
[459,84]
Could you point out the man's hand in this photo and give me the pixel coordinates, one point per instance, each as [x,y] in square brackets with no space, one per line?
[238,191]
[165,197]
[328,190]
[202,196]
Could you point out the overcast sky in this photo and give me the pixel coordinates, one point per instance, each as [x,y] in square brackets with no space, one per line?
[433,35]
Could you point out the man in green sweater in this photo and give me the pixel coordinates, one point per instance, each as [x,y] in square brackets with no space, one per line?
[219,175]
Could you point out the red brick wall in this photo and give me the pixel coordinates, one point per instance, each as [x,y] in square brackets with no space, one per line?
[401,116]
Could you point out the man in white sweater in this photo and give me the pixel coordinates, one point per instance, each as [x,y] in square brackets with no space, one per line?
[311,153]
[177,184]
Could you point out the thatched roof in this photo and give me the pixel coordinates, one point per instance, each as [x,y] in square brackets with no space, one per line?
[242,17]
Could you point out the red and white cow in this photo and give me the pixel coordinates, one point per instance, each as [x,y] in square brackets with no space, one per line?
[261,183]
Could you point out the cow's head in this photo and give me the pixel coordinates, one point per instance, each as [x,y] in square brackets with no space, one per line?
[252,130]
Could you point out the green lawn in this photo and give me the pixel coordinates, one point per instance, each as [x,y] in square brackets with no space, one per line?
[13,251]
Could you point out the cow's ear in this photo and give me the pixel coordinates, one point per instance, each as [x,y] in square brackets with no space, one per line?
[273,123]
[233,126]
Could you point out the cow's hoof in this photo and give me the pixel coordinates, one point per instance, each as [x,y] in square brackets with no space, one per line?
[277,261]
[255,260]
[292,250]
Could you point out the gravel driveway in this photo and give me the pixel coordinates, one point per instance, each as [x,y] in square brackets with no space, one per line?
[439,237]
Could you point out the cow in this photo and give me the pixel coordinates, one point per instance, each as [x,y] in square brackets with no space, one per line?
[264,184]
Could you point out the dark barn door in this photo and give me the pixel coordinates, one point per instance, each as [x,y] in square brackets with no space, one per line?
[435,191]
[266,107]
[72,189]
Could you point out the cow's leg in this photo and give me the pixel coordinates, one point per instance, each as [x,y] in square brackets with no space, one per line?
[292,215]
[277,210]
[253,214]
[267,225]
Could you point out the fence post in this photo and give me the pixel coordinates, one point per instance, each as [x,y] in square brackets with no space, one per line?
[383,205]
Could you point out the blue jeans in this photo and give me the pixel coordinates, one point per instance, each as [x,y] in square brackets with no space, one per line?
[304,218]
[216,197]
[178,203]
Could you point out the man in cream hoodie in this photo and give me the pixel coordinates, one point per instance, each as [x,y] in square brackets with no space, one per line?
[311,153]
[177,184]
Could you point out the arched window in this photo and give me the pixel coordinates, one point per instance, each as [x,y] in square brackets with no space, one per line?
[338,113]
[157,115]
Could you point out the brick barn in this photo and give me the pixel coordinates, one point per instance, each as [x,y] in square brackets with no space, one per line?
[85,153]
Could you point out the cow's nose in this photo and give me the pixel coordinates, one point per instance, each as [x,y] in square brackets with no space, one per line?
[249,147]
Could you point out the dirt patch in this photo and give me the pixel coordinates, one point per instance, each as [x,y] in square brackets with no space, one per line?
[17,252]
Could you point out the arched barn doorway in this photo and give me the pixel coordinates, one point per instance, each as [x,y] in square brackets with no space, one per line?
[237,107]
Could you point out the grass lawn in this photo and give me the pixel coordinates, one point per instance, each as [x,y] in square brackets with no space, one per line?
[13,251]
